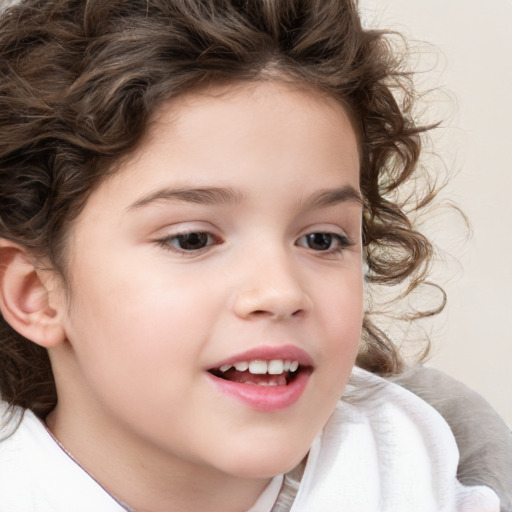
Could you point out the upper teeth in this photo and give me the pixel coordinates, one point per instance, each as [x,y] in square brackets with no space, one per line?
[259,367]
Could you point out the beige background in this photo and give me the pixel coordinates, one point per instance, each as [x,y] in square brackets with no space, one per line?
[472,62]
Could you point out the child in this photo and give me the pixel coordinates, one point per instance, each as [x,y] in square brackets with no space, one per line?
[188,190]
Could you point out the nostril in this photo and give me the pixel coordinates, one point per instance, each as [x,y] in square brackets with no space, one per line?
[260,312]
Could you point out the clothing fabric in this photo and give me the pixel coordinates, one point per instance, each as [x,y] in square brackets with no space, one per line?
[37,475]
[483,438]
[382,450]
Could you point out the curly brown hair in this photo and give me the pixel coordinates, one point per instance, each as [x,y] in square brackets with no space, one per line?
[79,80]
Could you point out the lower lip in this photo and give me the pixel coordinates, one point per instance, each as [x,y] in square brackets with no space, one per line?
[264,398]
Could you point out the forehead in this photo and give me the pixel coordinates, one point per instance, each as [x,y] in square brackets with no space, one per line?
[235,135]
[270,97]
[263,116]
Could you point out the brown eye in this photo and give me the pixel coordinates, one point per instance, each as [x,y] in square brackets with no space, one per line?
[319,241]
[192,241]
[189,242]
[324,242]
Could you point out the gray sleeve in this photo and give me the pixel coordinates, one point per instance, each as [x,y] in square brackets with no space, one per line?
[483,438]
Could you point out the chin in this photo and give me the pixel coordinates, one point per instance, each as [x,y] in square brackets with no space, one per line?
[265,464]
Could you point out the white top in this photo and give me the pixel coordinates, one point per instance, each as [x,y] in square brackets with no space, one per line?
[383,450]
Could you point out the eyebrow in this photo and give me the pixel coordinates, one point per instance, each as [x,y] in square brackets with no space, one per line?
[227,195]
[199,195]
[331,197]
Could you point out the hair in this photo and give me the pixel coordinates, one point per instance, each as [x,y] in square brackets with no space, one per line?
[81,79]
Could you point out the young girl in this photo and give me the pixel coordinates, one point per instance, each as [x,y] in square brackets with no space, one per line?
[188,191]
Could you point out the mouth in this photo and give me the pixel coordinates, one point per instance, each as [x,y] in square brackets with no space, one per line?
[259,372]
[264,379]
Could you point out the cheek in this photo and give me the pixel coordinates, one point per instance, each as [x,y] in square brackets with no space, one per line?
[342,307]
[137,350]
[341,319]
[140,323]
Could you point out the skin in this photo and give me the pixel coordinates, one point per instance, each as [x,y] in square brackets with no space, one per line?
[144,319]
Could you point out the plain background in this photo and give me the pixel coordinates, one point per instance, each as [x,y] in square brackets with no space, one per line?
[470,63]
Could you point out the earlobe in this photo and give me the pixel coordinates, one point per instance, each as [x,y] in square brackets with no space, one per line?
[25,297]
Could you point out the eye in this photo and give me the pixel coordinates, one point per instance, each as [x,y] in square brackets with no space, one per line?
[324,242]
[189,242]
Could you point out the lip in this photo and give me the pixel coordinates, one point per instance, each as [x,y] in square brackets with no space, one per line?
[267,353]
[266,398]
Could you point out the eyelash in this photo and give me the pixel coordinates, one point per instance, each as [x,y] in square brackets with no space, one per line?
[171,242]
[341,242]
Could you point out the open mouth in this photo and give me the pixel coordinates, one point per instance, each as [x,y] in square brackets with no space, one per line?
[275,372]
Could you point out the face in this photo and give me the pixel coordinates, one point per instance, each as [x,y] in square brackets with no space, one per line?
[215,284]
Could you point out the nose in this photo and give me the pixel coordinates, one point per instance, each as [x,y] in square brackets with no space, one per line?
[272,290]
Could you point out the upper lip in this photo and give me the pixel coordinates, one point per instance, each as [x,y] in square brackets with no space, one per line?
[269,353]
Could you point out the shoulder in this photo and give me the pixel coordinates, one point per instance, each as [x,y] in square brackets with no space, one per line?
[408,434]
[37,475]
[483,438]
[15,477]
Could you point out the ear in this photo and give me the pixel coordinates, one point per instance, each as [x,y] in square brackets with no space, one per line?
[25,293]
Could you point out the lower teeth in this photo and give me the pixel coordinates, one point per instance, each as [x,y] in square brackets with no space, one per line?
[265,380]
